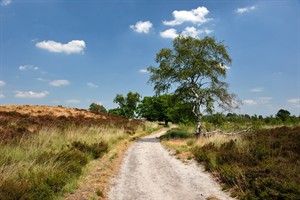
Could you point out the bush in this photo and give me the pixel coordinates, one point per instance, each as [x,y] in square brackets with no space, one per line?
[176,134]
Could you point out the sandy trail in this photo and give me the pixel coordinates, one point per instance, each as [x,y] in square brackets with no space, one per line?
[150,172]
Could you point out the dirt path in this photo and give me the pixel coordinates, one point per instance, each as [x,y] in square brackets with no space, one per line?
[149,172]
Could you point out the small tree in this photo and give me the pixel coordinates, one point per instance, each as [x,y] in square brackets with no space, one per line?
[195,69]
[284,115]
[97,108]
[128,104]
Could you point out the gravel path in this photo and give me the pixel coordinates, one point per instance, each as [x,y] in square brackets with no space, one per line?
[149,172]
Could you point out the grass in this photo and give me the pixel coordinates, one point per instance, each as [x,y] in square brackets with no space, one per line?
[263,164]
[48,163]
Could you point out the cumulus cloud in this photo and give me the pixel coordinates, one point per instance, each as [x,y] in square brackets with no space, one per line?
[143,71]
[92,85]
[5,2]
[195,16]
[2,96]
[257,89]
[249,102]
[28,67]
[170,33]
[245,9]
[75,46]
[73,101]
[188,31]
[193,32]
[2,83]
[30,94]
[59,83]
[142,27]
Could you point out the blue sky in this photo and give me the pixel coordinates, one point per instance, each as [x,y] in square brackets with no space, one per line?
[73,53]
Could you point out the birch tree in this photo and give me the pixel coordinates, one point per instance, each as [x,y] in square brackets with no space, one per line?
[194,69]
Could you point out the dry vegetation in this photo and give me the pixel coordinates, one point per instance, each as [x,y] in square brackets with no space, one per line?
[44,150]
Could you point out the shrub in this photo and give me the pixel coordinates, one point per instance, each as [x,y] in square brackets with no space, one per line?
[176,133]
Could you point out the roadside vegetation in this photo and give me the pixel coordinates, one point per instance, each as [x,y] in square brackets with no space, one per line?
[261,163]
[42,157]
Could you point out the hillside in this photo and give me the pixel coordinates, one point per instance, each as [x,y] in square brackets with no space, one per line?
[20,120]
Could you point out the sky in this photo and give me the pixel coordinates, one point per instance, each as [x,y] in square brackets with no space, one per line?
[74,53]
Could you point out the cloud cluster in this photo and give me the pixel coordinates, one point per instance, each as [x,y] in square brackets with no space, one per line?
[195,16]
[245,9]
[30,94]
[5,2]
[74,46]
[142,27]
[2,96]
[28,67]
[59,83]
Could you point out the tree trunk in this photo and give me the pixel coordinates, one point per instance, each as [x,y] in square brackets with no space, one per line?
[198,130]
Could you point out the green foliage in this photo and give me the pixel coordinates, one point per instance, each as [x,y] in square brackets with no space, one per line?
[284,115]
[176,133]
[127,105]
[265,167]
[166,108]
[97,108]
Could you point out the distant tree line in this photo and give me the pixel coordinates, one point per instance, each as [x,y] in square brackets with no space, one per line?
[170,108]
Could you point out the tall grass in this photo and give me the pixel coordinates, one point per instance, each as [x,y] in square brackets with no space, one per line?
[41,165]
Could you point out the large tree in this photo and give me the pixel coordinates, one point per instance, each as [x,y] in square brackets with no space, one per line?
[195,69]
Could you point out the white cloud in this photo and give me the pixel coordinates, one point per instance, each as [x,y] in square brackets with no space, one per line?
[196,16]
[295,102]
[193,32]
[2,96]
[73,101]
[5,2]
[42,79]
[143,71]
[264,100]
[92,85]
[30,94]
[188,31]
[28,67]
[2,83]
[75,46]
[249,102]
[258,89]
[59,83]
[245,9]
[142,27]
[170,33]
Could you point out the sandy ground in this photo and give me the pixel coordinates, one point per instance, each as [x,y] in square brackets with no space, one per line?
[149,172]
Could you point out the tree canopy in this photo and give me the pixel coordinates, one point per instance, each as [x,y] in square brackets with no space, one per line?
[195,69]
[127,105]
